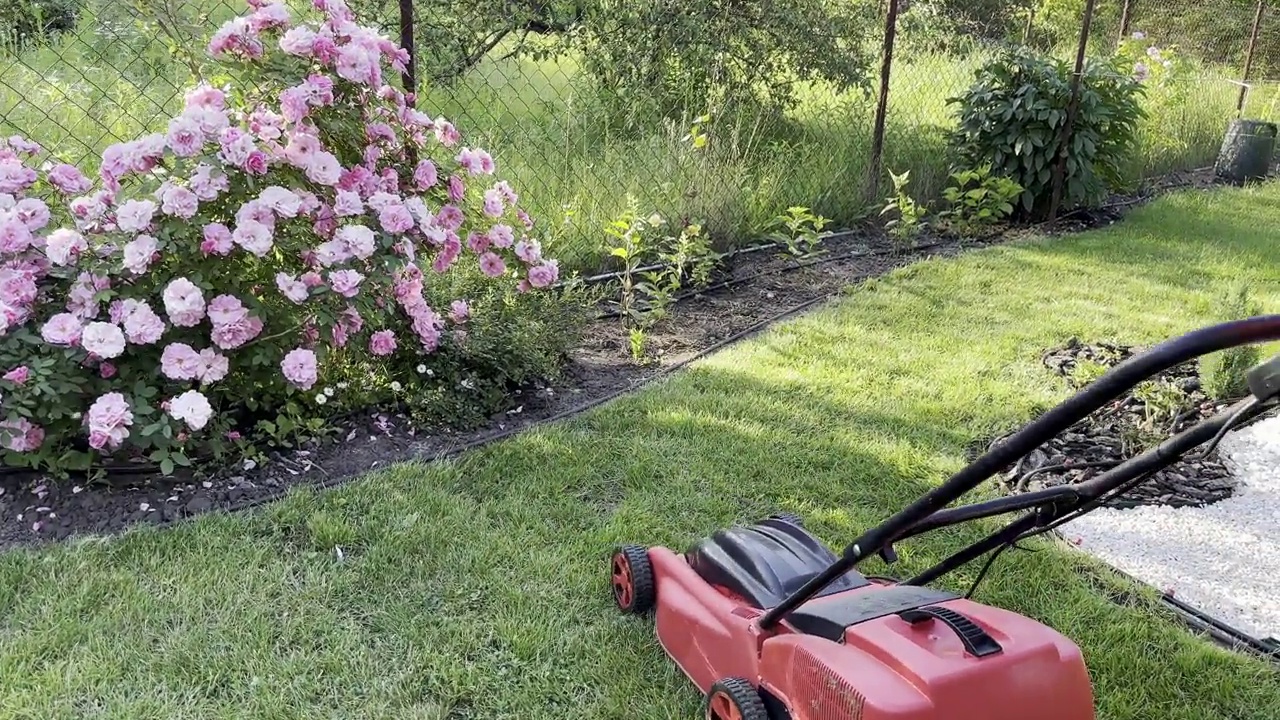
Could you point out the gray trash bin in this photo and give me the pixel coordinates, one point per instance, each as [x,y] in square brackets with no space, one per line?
[1246,151]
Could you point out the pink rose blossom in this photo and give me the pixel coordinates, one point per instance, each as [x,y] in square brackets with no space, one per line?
[459,311]
[269,16]
[382,343]
[257,211]
[106,370]
[476,161]
[457,190]
[210,121]
[205,97]
[291,288]
[17,287]
[293,103]
[235,334]
[236,146]
[299,368]
[33,213]
[529,251]
[104,340]
[298,41]
[63,246]
[21,435]
[447,256]
[478,242]
[319,90]
[139,253]
[504,188]
[205,185]
[323,168]
[191,407]
[324,49]
[142,326]
[15,177]
[108,419]
[217,239]
[345,282]
[359,241]
[381,200]
[493,203]
[183,303]
[253,236]
[257,163]
[308,203]
[14,236]
[525,219]
[226,310]
[544,274]
[62,330]
[69,180]
[425,175]
[178,201]
[185,137]
[356,64]
[502,235]
[449,217]
[283,201]
[180,361]
[395,218]
[312,279]
[492,265]
[135,215]
[348,204]
[446,133]
[18,376]
[300,149]
[214,366]
[236,37]
[23,145]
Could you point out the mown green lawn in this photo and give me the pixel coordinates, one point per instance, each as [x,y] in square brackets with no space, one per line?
[477,588]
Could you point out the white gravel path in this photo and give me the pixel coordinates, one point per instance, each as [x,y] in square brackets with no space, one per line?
[1223,559]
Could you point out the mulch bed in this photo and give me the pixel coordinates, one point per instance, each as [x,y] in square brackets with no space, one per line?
[1097,443]
[35,510]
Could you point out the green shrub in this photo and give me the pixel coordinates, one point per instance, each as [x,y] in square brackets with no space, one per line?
[1013,115]
[1223,374]
[979,199]
[24,23]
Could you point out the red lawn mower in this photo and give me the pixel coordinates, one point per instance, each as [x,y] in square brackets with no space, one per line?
[772,625]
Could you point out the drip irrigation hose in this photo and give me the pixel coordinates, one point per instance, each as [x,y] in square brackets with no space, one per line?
[785,269]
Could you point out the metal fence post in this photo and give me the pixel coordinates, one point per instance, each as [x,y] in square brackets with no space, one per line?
[882,105]
[409,78]
[1059,171]
[1126,18]
[1248,59]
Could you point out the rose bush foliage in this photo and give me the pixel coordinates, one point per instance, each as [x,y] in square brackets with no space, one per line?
[300,224]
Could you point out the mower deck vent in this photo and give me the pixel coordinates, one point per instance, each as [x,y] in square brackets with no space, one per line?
[825,694]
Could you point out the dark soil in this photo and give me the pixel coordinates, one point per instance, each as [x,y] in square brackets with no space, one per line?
[762,287]
[1124,428]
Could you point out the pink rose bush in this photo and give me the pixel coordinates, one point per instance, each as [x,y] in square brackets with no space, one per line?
[271,239]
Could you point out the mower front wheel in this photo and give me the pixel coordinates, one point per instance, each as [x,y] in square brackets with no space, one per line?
[631,576]
[735,699]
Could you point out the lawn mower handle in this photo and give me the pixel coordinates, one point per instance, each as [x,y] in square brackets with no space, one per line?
[1111,385]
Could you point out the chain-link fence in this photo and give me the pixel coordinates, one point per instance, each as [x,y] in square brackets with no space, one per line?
[722,112]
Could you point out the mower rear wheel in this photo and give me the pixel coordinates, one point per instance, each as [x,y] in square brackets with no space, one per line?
[631,575]
[735,699]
